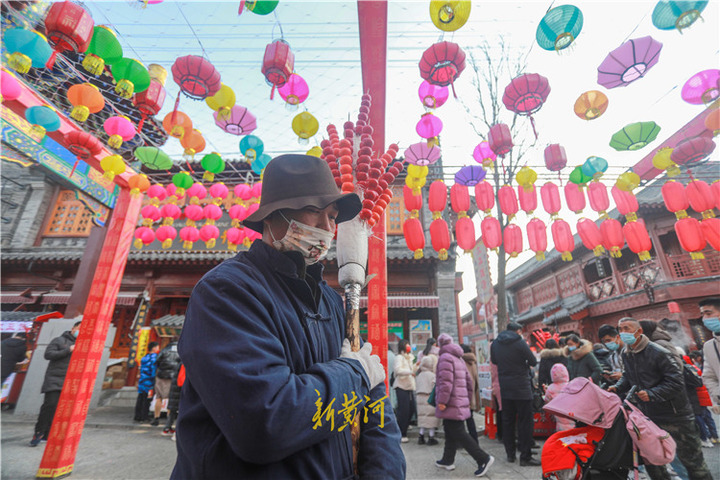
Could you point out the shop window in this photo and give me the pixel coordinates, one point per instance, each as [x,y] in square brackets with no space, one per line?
[597,269]
[395,214]
[69,217]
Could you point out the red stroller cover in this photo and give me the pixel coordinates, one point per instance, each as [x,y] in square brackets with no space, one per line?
[583,401]
[557,456]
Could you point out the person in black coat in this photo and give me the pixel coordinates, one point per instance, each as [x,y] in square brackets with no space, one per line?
[173,403]
[549,356]
[168,362]
[13,351]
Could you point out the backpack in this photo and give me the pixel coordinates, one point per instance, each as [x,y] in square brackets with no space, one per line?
[654,444]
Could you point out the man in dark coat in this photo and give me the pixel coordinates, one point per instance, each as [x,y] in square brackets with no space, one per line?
[58,351]
[661,394]
[13,351]
[514,359]
[270,384]
[168,363]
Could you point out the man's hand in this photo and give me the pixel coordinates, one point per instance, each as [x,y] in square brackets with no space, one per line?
[442,407]
[615,376]
[72,347]
[370,363]
[643,395]
[612,389]
[716,409]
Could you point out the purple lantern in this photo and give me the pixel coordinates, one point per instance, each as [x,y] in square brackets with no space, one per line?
[470,175]
[432,96]
[628,62]
[483,154]
[422,154]
[703,87]
[239,122]
[429,126]
[295,91]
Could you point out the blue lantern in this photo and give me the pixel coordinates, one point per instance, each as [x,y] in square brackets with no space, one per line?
[594,167]
[27,48]
[251,147]
[43,119]
[677,14]
[559,27]
[259,165]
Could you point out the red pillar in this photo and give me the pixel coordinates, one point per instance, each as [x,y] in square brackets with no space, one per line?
[372,26]
[59,456]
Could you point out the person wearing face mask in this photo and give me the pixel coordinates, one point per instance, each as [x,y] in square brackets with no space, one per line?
[610,337]
[58,352]
[661,397]
[581,359]
[710,310]
[269,376]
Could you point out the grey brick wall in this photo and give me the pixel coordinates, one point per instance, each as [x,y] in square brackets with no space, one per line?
[26,197]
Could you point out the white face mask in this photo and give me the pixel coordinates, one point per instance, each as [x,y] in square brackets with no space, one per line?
[313,243]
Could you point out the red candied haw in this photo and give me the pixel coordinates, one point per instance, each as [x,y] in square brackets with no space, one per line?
[367,142]
[333,166]
[346,160]
[348,133]
[372,183]
[375,163]
[358,129]
[347,188]
[344,169]
[330,158]
[361,176]
[387,195]
[365,151]
[388,177]
[364,109]
[371,195]
[363,117]
[338,182]
[327,151]
[346,177]
[363,167]
[347,125]
[365,214]
[344,143]
[382,183]
[364,159]
[368,204]
[324,143]
[368,129]
[394,147]
[345,152]
[386,157]
[398,165]
[393,171]
[381,203]
[375,173]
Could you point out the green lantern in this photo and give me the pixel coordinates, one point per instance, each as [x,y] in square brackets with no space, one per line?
[213,164]
[182,181]
[131,77]
[261,7]
[153,158]
[104,48]
[634,136]
[578,177]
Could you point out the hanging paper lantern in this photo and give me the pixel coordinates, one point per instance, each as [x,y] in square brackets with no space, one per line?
[218,192]
[256,193]
[691,237]
[702,88]
[182,181]
[715,188]
[442,63]
[412,201]
[212,213]
[499,139]
[157,194]
[470,175]
[295,91]
[629,62]
[131,76]
[440,237]
[598,198]
[465,233]
[484,196]
[625,202]
[491,233]
[449,15]
[261,7]
[416,177]
[594,167]
[213,164]
[174,193]
[537,238]
[578,177]
[193,214]
[590,235]
[242,192]
[170,212]
[429,127]
[663,161]
[692,150]
[414,237]
[432,96]
[437,198]
[153,158]
[196,77]
[527,198]
[189,235]
[305,125]
[193,142]
[150,101]
[222,101]
[555,157]
[278,64]
[563,239]
[196,193]
[512,240]
[166,234]
[591,105]
[460,199]
[677,14]
[251,147]
[239,122]
[86,99]
[422,154]
[143,236]
[574,197]
[235,236]
[634,136]
[104,49]
[638,239]
[701,197]
[120,129]
[526,94]
[10,88]
[559,28]
[27,48]
[209,235]
[711,230]
[712,122]
[526,177]
[238,213]
[83,145]
[628,181]
[508,201]
[550,196]
[112,165]
[151,214]
[484,155]
[42,118]
[675,198]
[138,184]
[612,234]
[68,27]
[260,163]
[315,151]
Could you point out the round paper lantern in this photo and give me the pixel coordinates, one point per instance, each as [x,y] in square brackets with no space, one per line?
[86,99]
[578,177]
[238,213]
[559,28]
[82,144]
[68,27]
[691,237]
[692,150]
[432,96]
[239,122]
[222,101]
[193,142]
[484,196]
[526,94]
[628,181]
[499,139]
[112,165]
[182,181]
[212,213]
[702,88]
[440,237]
[470,175]
[104,49]
[27,48]
[437,198]
[414,237]
[663,161]
[442,63]
[193,214]
[295,91]
[712,122]
[153,158]
[677,14]
[711,230]
[637,238]
[512,240]
[484,155]
[460,199]
[412,202]
[550,195]
[120,129]
[625,202]
[151,214]
[235,236]
[634,136]
[261,7]
[675,198]
[508,201]
[563,239]
[157,194]
[196,193]
[594,167]
[528,199]
[491,233]
[598,198]
[143,236]
[629,62]
[42,118]
[213,164]
[218,192]
[138,184]
[170,212]
[590,235]
[278,64]
[555,157]
[465,233]
[209,235]
[196,77]
[175,193]
[701,197]
[189,235]
[10,88]
[612,234]
[422,154]
[305,125]
[537,238]
[591,105]
[166,234]
[131,76]
[251,147]
[449,15]
[150,101]
[429,126]
[526,177]
[574,197]
[715,188]
[416,177]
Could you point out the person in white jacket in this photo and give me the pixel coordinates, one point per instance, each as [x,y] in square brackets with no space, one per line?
[404,387]
[710,310]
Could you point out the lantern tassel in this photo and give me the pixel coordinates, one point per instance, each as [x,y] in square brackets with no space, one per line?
[532,123]
[141,122]
[272,92]
[540,256]
[452,86]
[51,61]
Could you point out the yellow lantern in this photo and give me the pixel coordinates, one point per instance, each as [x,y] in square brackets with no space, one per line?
[222,102]
[662,161]
[315,151]
[526,177]
[112,165]
[305,126]
[449,15]
[416,177]
[628,181]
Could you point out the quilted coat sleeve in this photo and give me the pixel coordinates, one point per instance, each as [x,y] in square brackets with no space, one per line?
[380,456]
[444,380]
[57,349]
[672,379]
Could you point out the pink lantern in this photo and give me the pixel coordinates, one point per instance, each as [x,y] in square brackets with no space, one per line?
[550,195]
[625,202]
[484,196]
[508,201]
[196,192]
[563,239]
[239,122]
[256,191]
[295,91]
[209,234]
[491,233]
[555,157]
[432,96]
[702,88]
[10,88]
[465,234]
[598,198]
[612,234]
[574,197]
[189,235]
[150,214]
[238,213]
[711,230]
[143,236]
[235,237]
[212,213]
[253,208]
[166,234]
[429,126]
[483,154]
[701,197]
[512,239]
[120,129]
[460,199]
[422,154]
[194,213]
[219,191]
[537,238]
[638,239]
[156,193]
[590,235]
[528,199]
[242,192]
[172,191]
[251,236]
[629,62]
[170,212]
[499,139]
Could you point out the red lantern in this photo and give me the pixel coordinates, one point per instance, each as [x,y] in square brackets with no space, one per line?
[555,157]
[189,235]
[574,197]
[673,307]
[150,101]
[238,213]
[701,198]
[460,199]
[590,235]
[278,64]
[442,64]
[550,195]
[150,214]
[537,237]
[625,202]
[512,239]
[68,27]
[508,201]
[193,213]
[715,188]
[83,145]
[166,234]
[170,212]
[156,193]
[465,234]
[691,236]
[526,94]
[528,199]
[196,76]
[143,236]
[413,203]
[209,234]
[484,196]
[612,234]
[638,239]
[500,139]
[711,230]
[440,237]
[235,237]
[675,198]
[212,213]
[598,198]
[692,150]
[563,239]
[491,233]
[414,236]
[437,199]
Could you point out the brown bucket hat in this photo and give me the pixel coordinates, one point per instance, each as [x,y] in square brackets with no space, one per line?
[296,181]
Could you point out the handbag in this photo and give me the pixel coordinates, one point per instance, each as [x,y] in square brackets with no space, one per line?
[431,397]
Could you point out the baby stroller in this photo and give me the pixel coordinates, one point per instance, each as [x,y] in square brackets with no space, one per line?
[600,449]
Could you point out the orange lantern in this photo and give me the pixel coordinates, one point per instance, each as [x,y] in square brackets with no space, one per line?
[638,239]
[491,233]
[613,239]
[590,105]
[512,239]
[176,123]
[414,237]
[701,198]
[590,235]
[193,142]
[440,237]
[563,238]
[138,184]
[86,99]
[537,238]
[465,233]
[691,237]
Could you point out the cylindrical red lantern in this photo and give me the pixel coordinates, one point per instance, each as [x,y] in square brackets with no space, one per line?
[701,198]
[625,202]
[508,201]
[68,27]
[550,195]
[500,139]
[612,234]
[413,203]
[278,64]
[675,198]
[465,234]
[637,238]
[437,199]
[563,239]
[196,77]
[440,237]
[574,197]
[460,199]
[598,198]
[512,239]
[537,237]
[691,237]
[528,199]
[555,157]
[590,235]
[715,188]
[166,234]
[414,237]
[491,233]
[711,230]
[484,196]
[149,102]
[189,235]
